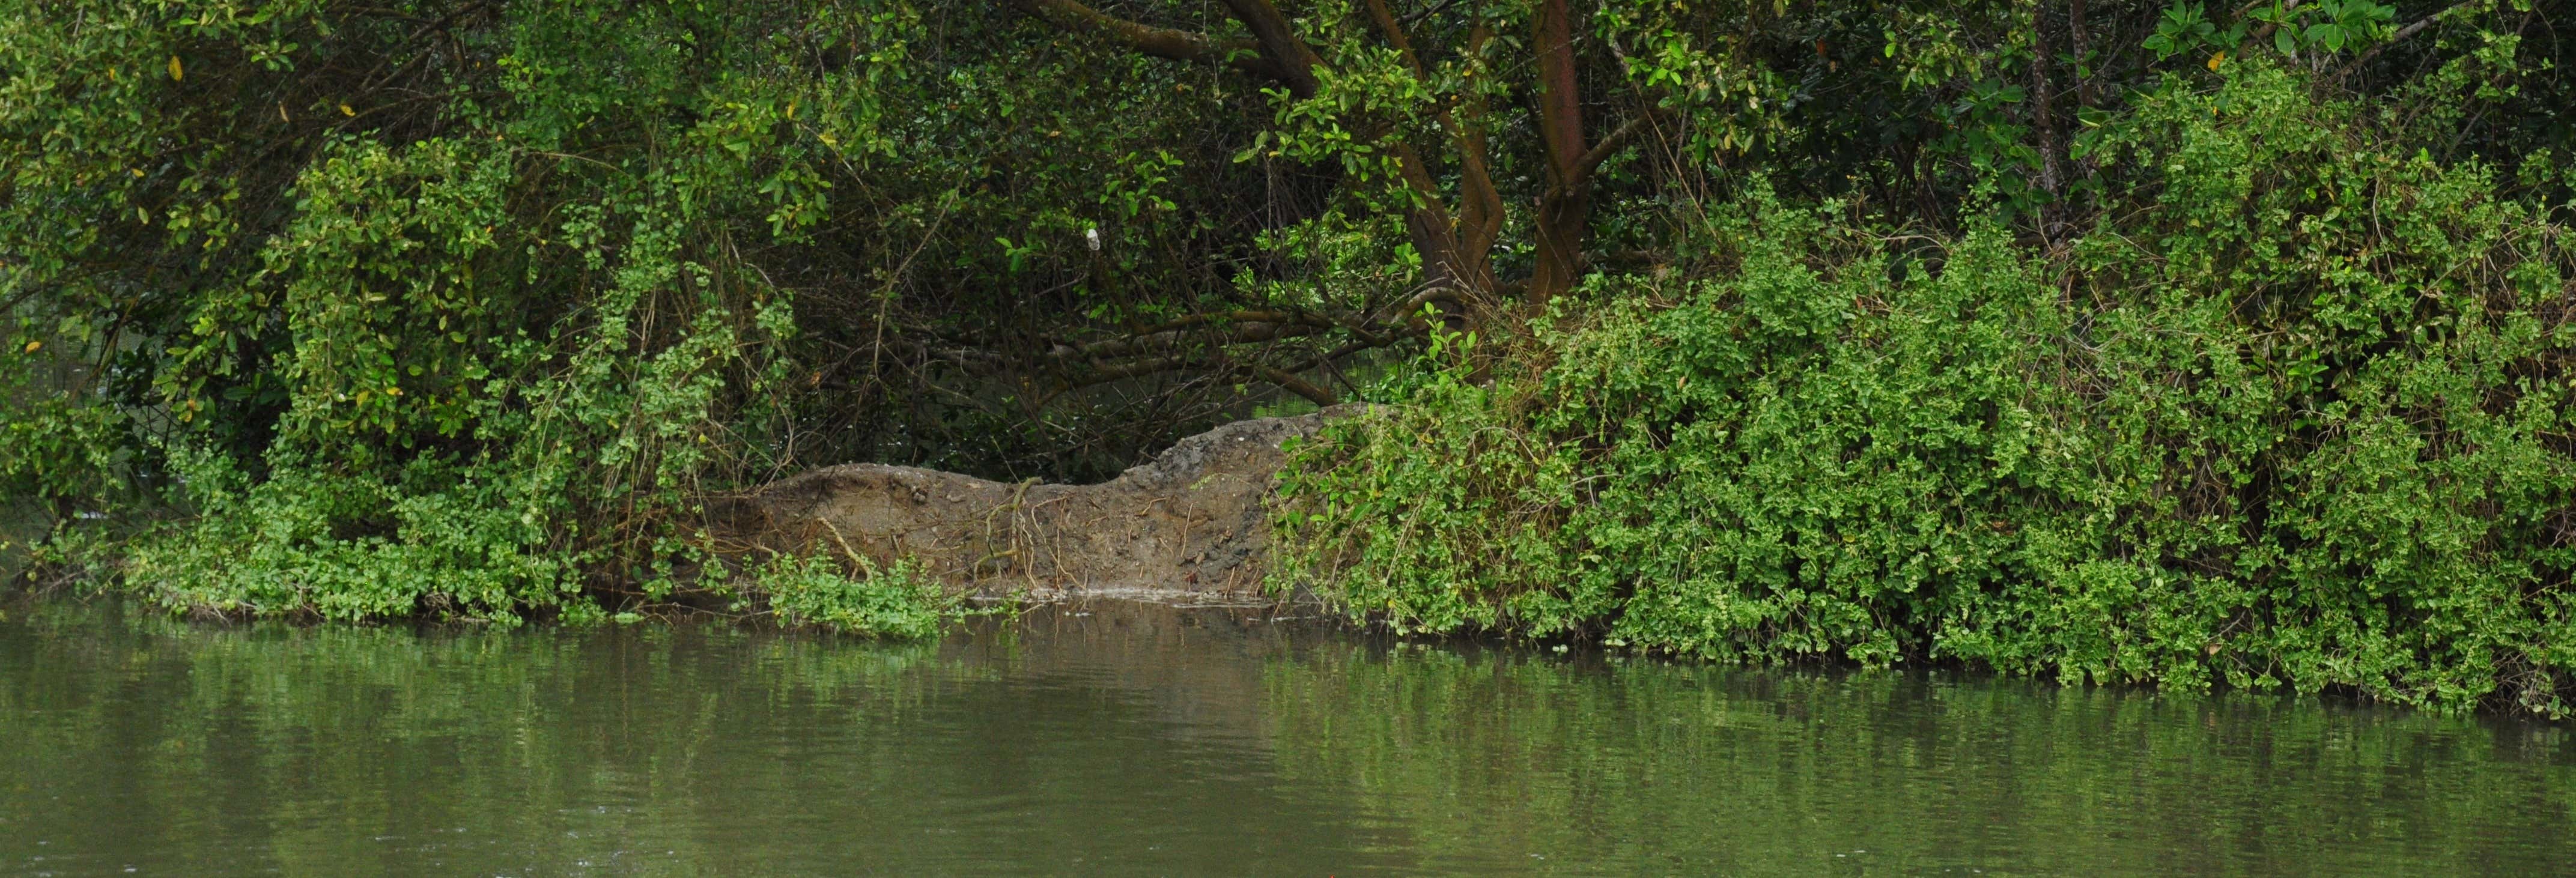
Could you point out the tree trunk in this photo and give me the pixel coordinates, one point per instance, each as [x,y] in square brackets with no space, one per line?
[2052,173]
[1566,207]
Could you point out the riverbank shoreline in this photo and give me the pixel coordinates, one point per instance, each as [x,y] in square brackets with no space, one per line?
[1190,526]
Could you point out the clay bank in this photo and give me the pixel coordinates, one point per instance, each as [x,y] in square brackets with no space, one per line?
[1190,526]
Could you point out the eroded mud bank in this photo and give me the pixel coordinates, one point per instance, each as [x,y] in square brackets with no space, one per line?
[1190,526]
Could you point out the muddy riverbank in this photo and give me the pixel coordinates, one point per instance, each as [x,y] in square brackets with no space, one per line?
[1190,526]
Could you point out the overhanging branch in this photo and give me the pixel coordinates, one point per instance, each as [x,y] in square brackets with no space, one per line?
[1160,42]
[1290,382]
[1635,127]
[1238,332]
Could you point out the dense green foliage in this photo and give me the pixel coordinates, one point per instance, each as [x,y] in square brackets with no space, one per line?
[410,325]
[2299,415]
[895,600]
[2132,341]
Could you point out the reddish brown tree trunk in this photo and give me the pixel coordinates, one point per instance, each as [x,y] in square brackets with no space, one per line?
[1566,207]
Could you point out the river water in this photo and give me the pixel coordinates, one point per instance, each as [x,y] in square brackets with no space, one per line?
[1118,739]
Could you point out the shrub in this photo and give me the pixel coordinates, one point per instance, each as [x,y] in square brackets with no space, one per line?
[894,601]
[2296,414]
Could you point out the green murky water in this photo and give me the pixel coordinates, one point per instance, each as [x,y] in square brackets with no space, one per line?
[1153,741]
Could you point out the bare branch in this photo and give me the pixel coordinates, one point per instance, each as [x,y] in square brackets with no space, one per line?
[1619,139]
[1419,17]
[1293,384]
[1160,42]
[1133,369]
[1236,317]
[1169,339]
[2402,33]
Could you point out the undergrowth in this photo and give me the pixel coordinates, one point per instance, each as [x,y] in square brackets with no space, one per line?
[478,354]
[896,600]
[2296,414]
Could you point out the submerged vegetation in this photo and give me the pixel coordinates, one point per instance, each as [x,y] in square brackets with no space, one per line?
[894,600]
[2116,341]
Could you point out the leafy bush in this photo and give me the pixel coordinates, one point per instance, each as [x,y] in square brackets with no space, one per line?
[458,309]
[2298,413]
[891,601]
[465,337]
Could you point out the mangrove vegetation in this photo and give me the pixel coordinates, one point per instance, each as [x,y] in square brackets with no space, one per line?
[2166,342]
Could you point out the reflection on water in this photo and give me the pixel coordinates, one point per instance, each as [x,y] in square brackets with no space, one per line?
[1148,740]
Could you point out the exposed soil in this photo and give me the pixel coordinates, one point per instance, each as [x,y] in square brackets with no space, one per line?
[1191,526]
